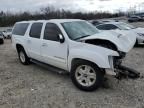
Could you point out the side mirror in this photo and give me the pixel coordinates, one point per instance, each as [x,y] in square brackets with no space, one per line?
[61,38]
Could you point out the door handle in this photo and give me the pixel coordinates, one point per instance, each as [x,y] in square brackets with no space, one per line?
[44,44]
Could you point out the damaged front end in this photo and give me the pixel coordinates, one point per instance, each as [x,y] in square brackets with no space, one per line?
[120,71]
[117,69]
[122,44]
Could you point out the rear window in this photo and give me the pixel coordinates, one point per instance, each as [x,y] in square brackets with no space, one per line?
[20,29]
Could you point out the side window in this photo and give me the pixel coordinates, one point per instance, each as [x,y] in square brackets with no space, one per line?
[111,27]
[20,29]
[51,32]
[107,27]
[101,27]
[35,31]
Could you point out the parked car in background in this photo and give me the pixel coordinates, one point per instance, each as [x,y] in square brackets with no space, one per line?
[7,33]
[107,20]
[135,19]
[72,45]
[124,28]
[101,21]
[95,22]
[140,15]
[1,37]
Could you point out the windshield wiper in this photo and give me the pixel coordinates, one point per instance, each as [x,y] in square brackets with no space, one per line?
[81,37]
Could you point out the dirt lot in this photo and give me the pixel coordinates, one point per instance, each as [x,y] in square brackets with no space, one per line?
[34,86]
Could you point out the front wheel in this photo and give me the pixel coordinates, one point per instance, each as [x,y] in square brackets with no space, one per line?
[86,76]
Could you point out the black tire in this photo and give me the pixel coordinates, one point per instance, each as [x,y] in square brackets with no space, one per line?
[27,60]
[1,41]
[99,76]
[136,44]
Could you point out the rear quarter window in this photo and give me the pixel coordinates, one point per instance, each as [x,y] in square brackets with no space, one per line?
[20,29]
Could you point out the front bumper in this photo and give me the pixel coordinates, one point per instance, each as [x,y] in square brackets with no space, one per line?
[110,72]
[120,71]
[140,41]
[115,62]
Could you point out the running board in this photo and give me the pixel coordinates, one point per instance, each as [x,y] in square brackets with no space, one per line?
[49,67]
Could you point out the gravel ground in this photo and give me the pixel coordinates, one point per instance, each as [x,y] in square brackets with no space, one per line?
[34,86]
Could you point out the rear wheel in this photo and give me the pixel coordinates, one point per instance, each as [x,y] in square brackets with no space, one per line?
[23,57]
[86,75]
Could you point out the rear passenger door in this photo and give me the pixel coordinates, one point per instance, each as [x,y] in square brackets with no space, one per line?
[54,52]
[34,41]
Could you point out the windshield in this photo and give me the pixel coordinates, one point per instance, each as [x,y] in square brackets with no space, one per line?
[124,26]
[79,29]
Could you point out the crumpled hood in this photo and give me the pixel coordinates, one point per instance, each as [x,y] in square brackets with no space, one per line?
[124,41]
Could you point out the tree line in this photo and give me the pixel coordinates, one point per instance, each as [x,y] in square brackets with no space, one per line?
[9,18]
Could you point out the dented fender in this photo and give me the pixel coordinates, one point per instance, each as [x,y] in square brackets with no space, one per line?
[96,54]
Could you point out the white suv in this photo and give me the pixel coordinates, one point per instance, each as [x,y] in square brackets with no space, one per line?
[71,45]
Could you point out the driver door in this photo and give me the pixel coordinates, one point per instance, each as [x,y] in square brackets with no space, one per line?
[54,52]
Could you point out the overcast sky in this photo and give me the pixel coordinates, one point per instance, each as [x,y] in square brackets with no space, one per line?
[73,5]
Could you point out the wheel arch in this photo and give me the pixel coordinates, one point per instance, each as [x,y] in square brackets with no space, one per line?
[19,46]
[74,60]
